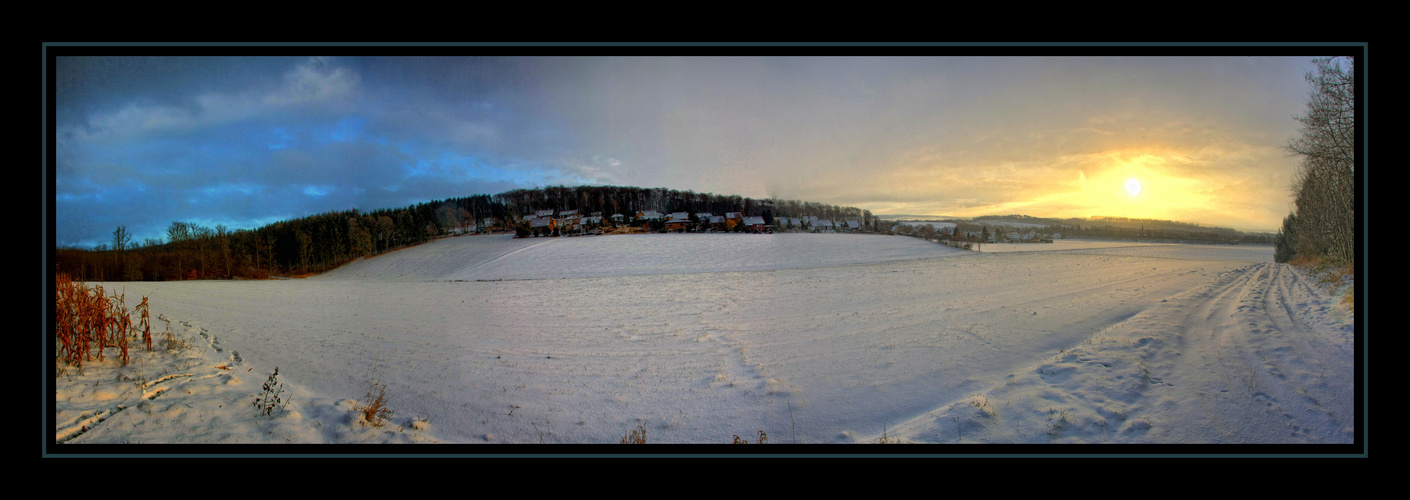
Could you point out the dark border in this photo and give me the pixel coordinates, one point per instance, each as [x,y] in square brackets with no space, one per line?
[1358,449]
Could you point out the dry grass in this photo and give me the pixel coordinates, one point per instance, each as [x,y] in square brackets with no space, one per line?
[886,437]
[1303,261]
[984,405]
[762,439]
[373,406]
[170,341]
[1329,275]
[1326,272]
[636,436]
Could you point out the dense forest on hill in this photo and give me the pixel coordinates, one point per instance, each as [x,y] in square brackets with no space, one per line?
[321,242]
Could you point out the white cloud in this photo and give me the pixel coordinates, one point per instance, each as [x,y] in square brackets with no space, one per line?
[308,84]
[313,82]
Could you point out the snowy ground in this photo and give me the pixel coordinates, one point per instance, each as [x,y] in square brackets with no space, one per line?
[697,338]
[1229,253]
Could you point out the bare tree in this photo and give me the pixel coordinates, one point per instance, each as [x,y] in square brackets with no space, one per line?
[201,237]
[385,230]
[120,239]
[177,234]
[223,233]
[305,247]
[360,238]
[468,219]
[1324,185]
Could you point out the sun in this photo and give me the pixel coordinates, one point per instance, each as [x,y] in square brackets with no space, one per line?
[1133,186]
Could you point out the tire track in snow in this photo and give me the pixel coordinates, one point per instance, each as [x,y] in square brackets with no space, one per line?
[89,420]
[1264,388]
[468,272]
[1221,363]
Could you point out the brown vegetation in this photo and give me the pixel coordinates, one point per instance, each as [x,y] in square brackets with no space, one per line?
[1328,274]
[373,406]
[763,439]
[636,436]
[86,322]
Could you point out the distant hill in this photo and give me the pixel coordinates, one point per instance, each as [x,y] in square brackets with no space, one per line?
[1104,227]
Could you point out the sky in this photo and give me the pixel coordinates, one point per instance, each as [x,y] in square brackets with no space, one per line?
[142,142]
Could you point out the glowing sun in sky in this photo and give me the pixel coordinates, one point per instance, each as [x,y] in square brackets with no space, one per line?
[1133,186]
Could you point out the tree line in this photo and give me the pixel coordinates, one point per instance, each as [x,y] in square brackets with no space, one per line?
[1322,223]
[324,241]
[628,201]
[1109,228]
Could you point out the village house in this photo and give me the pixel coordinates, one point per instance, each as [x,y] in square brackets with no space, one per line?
[646,218]
[678,221]
[755,224]
[703,219]
[717,222]
[591,222]
[568,221]
[542,225]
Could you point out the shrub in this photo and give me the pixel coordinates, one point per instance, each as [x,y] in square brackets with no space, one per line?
[269,398]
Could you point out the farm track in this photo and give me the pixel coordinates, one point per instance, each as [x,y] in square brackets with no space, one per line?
[1279,376]
[1238,349]
[145,391]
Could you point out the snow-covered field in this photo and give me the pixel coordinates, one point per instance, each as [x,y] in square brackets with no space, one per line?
[697,338]
[503,257]
[1229,253]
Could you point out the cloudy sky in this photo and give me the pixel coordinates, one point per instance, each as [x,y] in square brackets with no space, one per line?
[244,141]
